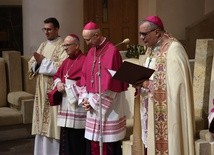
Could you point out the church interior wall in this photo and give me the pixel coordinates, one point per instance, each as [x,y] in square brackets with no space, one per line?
[10,2]
[68,12]
[209,6]
[176,15]
[179,14]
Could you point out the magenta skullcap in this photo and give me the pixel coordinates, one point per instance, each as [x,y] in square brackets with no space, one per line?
[155,20]
[74,36]
[90,26]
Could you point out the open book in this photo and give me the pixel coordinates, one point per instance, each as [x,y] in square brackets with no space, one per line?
[131,73]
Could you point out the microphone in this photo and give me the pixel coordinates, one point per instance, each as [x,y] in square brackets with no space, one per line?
[125,41]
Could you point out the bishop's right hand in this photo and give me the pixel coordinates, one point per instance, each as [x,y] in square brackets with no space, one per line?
[141,84]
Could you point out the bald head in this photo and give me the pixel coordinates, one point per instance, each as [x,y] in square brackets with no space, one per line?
[89,33]
[71,39]
[92,34]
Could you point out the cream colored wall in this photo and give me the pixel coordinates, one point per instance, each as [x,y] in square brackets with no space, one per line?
[68,12]
[176,14]
[10,2]
[209,6]
[145,8]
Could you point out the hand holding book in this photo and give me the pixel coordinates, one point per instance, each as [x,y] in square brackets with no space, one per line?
[132,73]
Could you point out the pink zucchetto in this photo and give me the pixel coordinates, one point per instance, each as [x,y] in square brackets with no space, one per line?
[74,36]
[155,20]
[90,26]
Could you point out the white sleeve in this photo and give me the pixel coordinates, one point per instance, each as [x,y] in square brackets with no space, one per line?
[33,67]
[56,81]
[47,67]
[106,100]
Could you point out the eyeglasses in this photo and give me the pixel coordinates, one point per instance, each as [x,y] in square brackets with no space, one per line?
[46,29]
[67,45]
[144,34]
[89,38]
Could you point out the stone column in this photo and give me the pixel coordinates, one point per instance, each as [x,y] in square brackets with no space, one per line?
[201,80]
[211,97]
[68,12]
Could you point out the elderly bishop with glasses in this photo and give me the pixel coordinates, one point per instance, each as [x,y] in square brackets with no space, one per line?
[71,117]
[167,112]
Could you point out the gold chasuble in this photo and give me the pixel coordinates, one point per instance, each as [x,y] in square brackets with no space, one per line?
[44,115]
[170,102]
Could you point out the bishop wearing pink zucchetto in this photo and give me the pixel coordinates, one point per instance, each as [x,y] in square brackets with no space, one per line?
[167,112]
[104,55]
[71,116]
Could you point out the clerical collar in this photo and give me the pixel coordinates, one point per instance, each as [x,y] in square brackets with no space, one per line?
[101,44]
[76,55]
[157,44]
[162,40]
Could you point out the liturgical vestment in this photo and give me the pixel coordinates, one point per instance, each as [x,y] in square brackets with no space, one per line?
[70,114]
[44,116]
[71,117]
[167,109]
[113,116]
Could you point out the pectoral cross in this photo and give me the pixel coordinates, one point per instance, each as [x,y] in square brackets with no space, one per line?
[92,72]
[66,75]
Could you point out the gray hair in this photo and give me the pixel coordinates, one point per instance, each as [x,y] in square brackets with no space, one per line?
[77,41]
[152,25]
